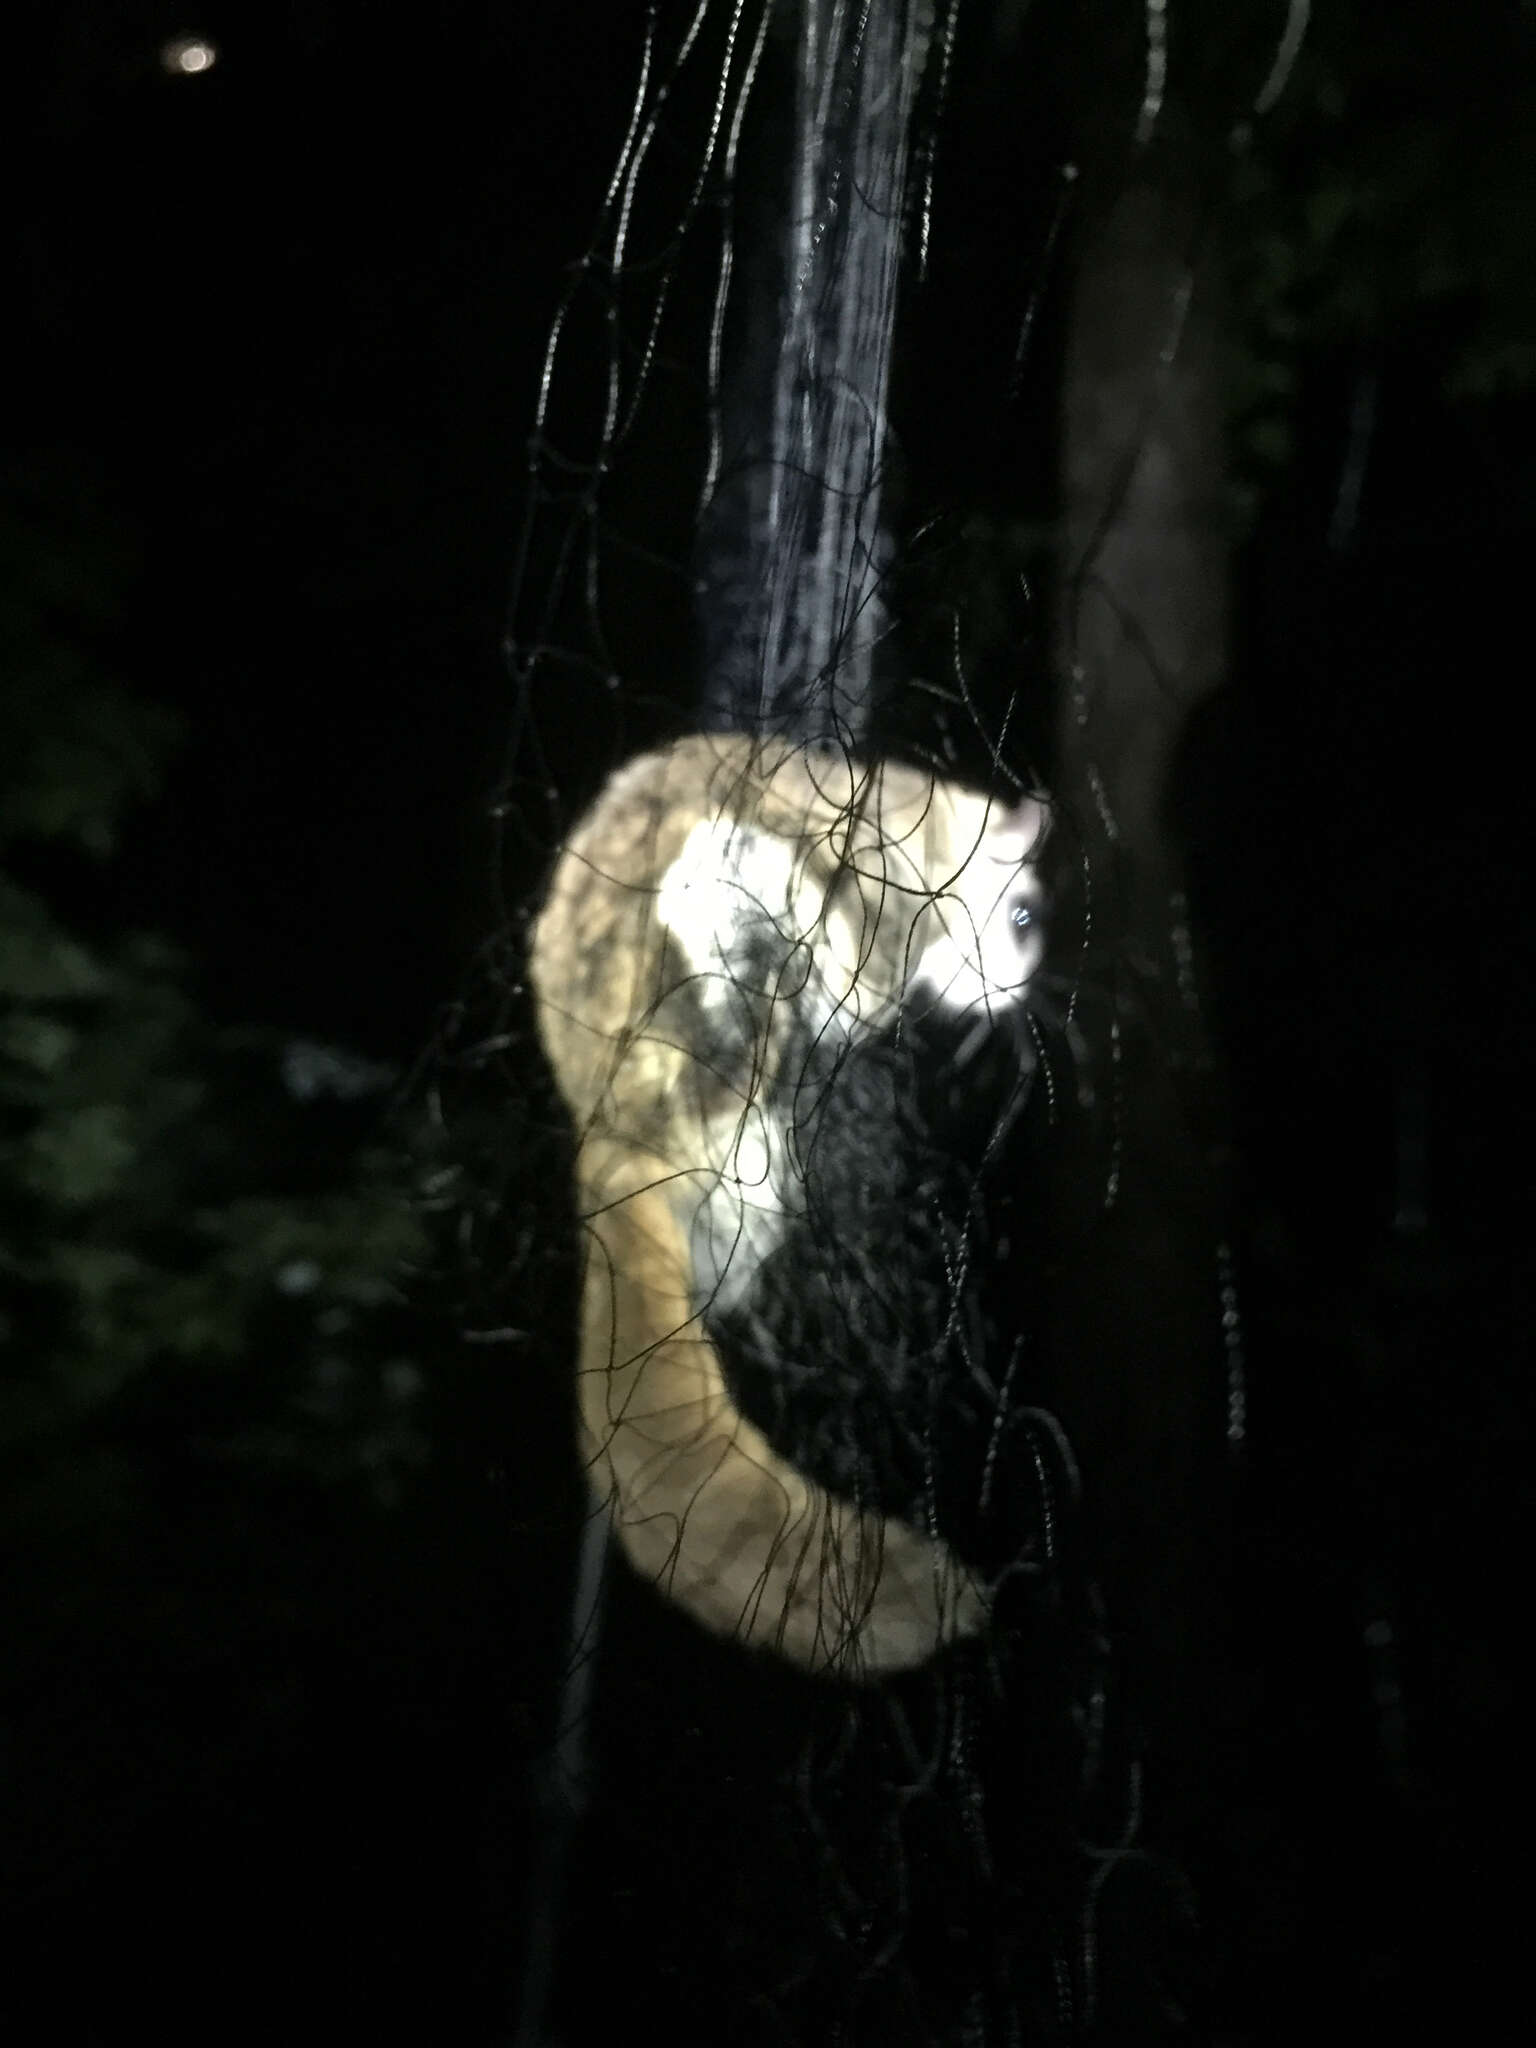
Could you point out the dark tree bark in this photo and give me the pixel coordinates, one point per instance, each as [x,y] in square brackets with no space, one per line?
[1142,639]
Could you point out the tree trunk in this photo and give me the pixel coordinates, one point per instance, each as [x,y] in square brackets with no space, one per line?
[1143,631]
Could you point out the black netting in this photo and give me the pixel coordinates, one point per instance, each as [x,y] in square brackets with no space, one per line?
[722,535]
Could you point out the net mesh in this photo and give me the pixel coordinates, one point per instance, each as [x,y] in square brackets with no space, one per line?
[711,497]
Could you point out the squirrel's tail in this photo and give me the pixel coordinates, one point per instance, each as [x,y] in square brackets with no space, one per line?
[702,1503]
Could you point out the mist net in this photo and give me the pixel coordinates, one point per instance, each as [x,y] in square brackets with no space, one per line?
[835,1844]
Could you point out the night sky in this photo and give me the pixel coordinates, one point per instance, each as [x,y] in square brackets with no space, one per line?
[281,326]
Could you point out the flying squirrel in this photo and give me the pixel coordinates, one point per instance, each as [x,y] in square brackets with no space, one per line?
[723,907]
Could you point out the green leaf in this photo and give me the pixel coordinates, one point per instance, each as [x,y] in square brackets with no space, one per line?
[81,1156]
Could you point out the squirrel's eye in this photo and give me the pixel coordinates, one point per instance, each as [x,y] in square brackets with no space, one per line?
[1022,915]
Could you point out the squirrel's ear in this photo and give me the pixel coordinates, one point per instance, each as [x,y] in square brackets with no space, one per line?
[1018,832]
